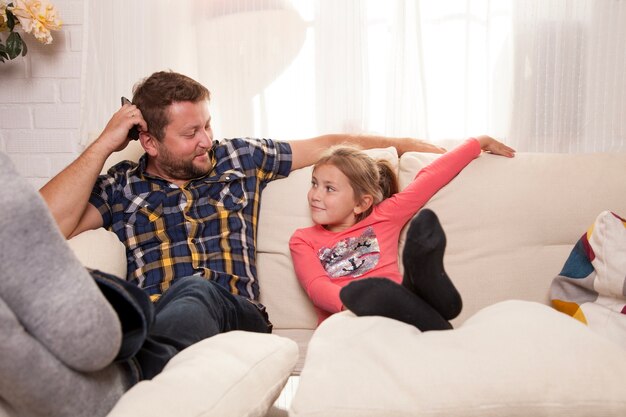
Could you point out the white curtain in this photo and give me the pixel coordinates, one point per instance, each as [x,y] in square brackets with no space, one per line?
[123,42]
[543,75]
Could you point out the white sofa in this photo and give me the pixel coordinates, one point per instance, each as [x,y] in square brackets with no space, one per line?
[510,225]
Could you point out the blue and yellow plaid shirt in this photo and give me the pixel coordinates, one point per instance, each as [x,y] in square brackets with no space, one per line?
[207,227]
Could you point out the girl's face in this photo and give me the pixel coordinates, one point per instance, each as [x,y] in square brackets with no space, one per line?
[331,199]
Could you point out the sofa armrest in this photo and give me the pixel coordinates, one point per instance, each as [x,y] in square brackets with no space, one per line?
[100,249]
[232,374]
[514,358]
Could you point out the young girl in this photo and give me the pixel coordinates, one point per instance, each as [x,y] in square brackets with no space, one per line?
[358,216]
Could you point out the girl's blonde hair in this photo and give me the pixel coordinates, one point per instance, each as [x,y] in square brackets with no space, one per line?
[366,175]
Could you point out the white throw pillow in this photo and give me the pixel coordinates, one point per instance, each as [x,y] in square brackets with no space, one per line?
[234,374]
[514,358]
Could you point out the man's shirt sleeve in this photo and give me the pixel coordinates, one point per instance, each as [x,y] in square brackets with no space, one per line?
[273,158]
[106,189]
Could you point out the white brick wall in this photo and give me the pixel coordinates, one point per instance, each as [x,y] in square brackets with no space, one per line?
[40,100]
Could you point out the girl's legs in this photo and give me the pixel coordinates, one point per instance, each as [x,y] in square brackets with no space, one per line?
[383,297]
[424,274]
[427,298]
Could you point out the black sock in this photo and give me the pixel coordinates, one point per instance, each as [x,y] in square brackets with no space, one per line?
[422,258]
[383,297]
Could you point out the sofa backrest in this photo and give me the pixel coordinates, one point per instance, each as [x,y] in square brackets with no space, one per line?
[510,225]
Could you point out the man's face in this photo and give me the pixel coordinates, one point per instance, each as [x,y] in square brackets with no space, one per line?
[182,152]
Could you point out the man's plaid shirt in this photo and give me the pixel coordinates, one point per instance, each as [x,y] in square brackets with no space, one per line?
[206,227]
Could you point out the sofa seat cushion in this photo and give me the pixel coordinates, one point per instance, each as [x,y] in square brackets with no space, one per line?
[232,374]
[514,358]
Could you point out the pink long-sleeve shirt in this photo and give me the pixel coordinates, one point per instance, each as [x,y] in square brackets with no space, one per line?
[326,261]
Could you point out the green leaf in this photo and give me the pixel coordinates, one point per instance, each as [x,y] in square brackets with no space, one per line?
[10,18]
[3,53]
[14,45]
[24,48]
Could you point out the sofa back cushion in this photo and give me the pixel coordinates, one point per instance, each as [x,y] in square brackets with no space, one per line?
[511,223]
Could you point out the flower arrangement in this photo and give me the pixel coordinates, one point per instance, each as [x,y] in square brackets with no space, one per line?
[37,17]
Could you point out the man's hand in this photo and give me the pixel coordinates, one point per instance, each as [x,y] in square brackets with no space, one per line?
[489,144]
[115,134]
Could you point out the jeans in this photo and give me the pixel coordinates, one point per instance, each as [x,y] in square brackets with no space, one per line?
[191,310]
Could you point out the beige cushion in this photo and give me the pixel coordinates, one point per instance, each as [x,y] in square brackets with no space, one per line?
[511,223]
[514,358]
[232,374]
[100,249]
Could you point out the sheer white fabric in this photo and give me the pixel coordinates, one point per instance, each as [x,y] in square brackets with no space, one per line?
[543,75]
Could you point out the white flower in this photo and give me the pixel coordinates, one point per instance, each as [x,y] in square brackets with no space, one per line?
[38,17]
[3,17]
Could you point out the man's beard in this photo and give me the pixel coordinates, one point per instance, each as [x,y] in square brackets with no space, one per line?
[179,169]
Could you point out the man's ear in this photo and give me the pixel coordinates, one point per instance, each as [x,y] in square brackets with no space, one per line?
[149,143]
[364,205]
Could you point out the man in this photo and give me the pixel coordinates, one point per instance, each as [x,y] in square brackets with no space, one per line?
[187,212]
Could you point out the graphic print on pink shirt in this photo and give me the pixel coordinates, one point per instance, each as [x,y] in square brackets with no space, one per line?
[353,256]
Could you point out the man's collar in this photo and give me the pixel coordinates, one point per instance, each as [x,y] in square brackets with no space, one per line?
[140,169]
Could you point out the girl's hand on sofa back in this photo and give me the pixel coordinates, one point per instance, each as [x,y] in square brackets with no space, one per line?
[489,144]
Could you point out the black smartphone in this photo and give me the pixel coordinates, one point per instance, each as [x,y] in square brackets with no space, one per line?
[133,133]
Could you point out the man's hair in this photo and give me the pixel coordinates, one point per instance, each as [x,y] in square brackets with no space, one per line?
[154,94]
[366,175]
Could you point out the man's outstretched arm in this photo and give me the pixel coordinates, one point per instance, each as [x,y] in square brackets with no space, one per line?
[307,151]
